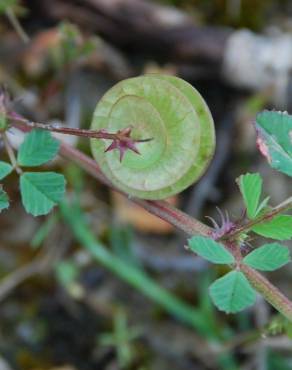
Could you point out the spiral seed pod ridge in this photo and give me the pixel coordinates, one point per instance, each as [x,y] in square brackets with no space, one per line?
[172,113]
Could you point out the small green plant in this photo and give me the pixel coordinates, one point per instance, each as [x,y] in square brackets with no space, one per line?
[121,338]
[233,292]
[71,46]
[146,152]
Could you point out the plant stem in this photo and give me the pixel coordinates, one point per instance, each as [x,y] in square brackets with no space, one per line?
[16,25]
[189,225]
[271,293]
[287,204]
[93,134]
[161,209]
[10,153]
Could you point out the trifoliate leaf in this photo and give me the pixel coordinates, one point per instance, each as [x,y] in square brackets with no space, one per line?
[5,169]
[268,257]
[41,191]
[232,292]
[251,188]
[210,250]
[274,130]
[37,148]
[279,228]
[4,201]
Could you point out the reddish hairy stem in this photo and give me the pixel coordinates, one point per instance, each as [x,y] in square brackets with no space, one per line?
[190,226]
[266,217]
[271,293]
[187,224]
[161,209]
[99,134]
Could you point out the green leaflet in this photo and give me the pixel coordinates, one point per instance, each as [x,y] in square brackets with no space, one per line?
[268,257]
[5,169]
[4,201]
[210,250]
[37,148]
[41,191]
[232,293]
[279,228]
[274,130]
[251,189]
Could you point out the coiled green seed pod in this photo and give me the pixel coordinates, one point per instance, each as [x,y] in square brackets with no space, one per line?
[172,113]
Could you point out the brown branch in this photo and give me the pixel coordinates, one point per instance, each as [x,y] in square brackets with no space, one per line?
[150,29]
[10,282]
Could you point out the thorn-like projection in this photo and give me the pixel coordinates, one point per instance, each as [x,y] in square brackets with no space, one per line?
[226,225]
[122,147]
[123,142]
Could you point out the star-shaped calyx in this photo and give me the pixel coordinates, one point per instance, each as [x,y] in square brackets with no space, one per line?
[124,142]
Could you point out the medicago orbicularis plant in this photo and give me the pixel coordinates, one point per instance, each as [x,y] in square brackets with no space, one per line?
[153,136]
[233,292]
